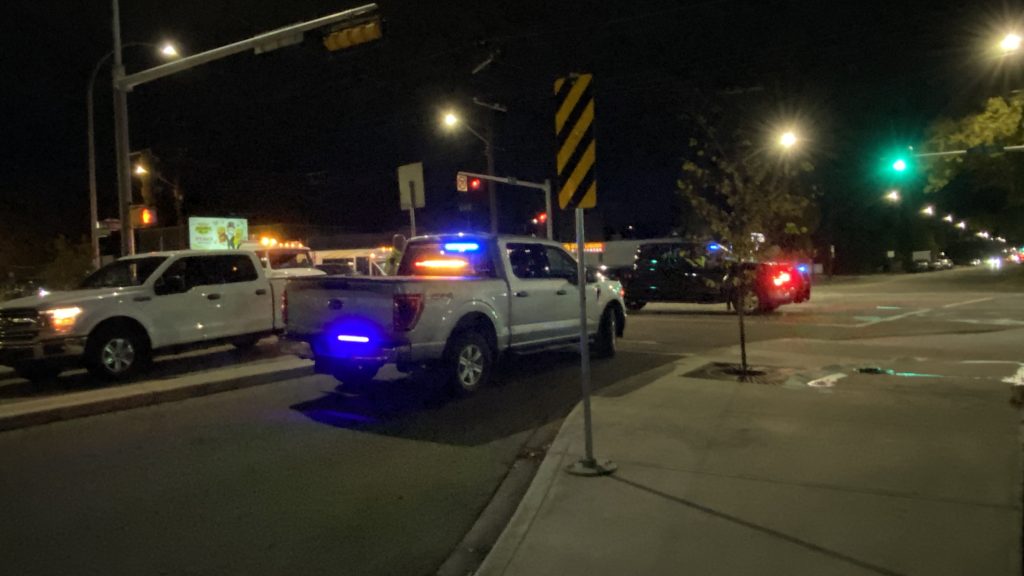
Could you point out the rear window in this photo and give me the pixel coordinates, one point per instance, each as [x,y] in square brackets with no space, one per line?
[448,258]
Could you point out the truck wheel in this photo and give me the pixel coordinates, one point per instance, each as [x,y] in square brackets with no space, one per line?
[355,375]
[116,352]
[38,372]
[607,335]
[634,305]
[469,362]
[751,302]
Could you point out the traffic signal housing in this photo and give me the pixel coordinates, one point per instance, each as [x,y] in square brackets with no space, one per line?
[143,216]
[349,35]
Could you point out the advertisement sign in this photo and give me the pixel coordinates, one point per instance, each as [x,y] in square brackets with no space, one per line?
[217,233]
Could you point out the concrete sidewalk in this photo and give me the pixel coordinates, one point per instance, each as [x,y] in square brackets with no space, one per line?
[873,474]
[111,398]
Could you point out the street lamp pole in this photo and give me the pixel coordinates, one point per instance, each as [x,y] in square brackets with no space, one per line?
[124,181]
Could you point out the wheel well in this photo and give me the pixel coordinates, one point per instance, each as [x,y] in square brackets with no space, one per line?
[480,323]
[124,322]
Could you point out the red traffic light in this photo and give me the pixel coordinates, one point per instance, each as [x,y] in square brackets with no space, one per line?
[542,217]
[474,183]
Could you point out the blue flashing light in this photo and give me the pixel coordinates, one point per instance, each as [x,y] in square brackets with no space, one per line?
[714,247]
[803,268]
[350,338]
[461,247]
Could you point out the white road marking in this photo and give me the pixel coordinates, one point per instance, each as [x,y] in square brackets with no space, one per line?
[966,302]
[826,381]
[892,318]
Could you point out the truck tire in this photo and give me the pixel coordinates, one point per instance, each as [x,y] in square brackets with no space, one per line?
[38,372]
[751,302]
[607,334]
[117,351]
[468,362]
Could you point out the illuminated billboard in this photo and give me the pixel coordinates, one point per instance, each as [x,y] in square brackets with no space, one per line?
[217,233]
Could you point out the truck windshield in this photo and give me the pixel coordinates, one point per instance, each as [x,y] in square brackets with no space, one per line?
[280,259]
[129,272]
[447,258]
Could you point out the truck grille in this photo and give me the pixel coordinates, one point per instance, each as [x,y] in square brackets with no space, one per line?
[18,325]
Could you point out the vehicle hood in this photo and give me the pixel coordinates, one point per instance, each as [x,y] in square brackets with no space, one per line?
[68,297]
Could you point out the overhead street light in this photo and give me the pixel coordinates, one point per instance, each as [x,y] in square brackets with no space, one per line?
[893,196]
[167,51]
[451,120]
[948,218]
[788,139]
[962,225]
[1010,43]
[928,210]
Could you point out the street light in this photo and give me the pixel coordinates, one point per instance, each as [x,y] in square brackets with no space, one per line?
[167,51]
[962,225]
[1010,43]
[451,120]
[893,196]
[948,218]
[928,210]
[788,139]
[140,170]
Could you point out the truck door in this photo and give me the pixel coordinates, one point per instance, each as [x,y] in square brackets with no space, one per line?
[182,308]
[247,302]
[540,304]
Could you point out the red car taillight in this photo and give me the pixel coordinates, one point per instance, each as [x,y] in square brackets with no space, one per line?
[781,279]
[407,309]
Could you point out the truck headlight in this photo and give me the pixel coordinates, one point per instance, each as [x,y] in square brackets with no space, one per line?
[62,319]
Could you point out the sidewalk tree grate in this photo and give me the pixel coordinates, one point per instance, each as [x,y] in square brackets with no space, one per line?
[725,371]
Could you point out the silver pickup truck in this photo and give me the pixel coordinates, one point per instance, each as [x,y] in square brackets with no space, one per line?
[457,303]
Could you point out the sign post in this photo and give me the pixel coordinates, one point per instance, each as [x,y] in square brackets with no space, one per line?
[410,191]
[574,128]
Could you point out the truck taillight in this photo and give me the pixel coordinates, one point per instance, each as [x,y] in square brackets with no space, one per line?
[782,278]
[284,307]
[407,310]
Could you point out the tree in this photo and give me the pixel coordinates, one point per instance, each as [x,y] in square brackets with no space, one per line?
[986,180]
[741,191]
[70,263]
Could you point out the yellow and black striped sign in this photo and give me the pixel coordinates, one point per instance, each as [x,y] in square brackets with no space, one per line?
[574,127]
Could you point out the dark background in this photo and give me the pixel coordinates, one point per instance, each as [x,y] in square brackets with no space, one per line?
[308,136]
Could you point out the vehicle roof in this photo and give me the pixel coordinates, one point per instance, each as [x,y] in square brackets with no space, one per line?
[170,253]
[483,236]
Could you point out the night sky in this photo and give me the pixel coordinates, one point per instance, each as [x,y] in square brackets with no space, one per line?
[305,135]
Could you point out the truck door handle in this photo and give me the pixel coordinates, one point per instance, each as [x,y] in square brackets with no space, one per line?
[561,292]
[522,294]
[261,291]
[213,296]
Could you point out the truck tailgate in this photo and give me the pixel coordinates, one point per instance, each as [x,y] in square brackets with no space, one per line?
[317,305]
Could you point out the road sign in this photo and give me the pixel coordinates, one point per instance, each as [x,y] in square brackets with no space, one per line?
[410,185]
[574,128]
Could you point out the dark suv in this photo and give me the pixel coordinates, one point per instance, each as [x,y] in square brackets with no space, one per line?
[699,272]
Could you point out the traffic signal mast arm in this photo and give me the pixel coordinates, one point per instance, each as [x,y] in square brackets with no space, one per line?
[260,43]
[1014,148]
[513,181]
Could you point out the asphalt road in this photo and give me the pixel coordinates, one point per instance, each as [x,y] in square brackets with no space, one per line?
[305,477]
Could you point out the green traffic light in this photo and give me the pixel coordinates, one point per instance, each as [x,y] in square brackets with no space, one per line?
[899,165]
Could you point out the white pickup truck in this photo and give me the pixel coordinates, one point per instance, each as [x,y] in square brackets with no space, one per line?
[458,302]
[131,308]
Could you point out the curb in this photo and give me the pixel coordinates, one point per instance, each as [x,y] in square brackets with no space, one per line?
[103,401]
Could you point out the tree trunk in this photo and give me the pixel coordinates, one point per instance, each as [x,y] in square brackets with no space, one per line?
[743,332]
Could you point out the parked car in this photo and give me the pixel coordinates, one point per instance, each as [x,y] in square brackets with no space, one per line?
[705,272]
[136,306]
[457,303]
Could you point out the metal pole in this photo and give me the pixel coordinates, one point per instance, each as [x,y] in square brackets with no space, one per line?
[581,271]
[547,209]
[492,194]
[124,182]
[94,217]
[412,209]
[588,466]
